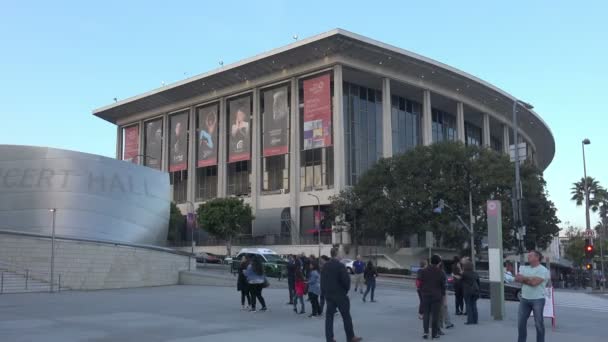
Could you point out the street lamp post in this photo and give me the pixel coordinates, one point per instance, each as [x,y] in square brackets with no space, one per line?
[469,228]
[191,223]
[518,193]
[53,212]
[314,218]
[587,218]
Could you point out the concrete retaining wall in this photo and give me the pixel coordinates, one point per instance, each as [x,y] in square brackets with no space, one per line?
[87,265]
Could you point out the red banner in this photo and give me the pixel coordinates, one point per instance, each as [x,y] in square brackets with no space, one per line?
[131,144]
[178,142]
[317,112]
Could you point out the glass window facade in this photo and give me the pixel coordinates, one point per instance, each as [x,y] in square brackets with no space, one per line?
[444,126]
[179,183]
[406,124]
[316,164]
[239,183]
[206,183]
[496,144]
[238,132]
[275,141]
[472,134]
[363,129]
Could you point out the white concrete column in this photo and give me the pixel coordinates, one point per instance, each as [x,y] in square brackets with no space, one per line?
[460,122]
[256,167]
[222,150]
[294,162]
[191,155]
[387,125]
[427,119]
[485,139]
[339,146]
[165,144]
[118,142]
[505,139]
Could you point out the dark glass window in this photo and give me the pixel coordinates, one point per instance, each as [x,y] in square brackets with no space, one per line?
[206,183]
[472,134]
[238,178]
[363,129]
[496,144]
[444,126]
[275,177]
[179,184]
[406,124]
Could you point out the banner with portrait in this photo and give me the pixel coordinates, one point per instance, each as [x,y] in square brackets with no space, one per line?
[131,143]
[207,126]
[239,129]
[317,112]
[178,142]
[153,143]
[276,122]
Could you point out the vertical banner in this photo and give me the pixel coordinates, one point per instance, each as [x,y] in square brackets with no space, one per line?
[317,112]
[276,122]
[207,121]
[239,129]
[153,143]
[178,142]
[131,144]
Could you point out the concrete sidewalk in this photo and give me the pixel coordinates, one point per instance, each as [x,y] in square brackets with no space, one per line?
[200,313]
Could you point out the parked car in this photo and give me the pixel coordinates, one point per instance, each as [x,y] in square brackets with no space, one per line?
[208,258]
[349,265]
[274,265]
[512,290]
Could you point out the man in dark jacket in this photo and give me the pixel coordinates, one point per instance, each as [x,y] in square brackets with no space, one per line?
[335,284]
[432,289]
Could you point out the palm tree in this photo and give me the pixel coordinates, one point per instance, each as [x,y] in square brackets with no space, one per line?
[597,194]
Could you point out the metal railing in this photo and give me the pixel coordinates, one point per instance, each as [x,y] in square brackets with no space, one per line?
[15,279]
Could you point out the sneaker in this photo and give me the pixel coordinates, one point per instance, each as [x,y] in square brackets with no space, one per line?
[373,301]
[449,326]
[253,310]
[440,333]
[425,336]
[244,308]
[312,315]
[364,300]
[301,312]
[264,309]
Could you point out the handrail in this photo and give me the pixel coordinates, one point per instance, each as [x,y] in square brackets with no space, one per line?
[106,242]
[26,272]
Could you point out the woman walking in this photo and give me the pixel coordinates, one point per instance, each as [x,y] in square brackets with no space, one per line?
[470,288]
[242,284]
[300,289]
[314,289]
[256,280]
[370,275]
[423,265]
[458,294]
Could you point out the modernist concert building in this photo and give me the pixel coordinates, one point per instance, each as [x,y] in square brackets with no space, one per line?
[309,119]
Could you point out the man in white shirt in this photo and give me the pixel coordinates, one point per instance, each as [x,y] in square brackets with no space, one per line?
[533,278]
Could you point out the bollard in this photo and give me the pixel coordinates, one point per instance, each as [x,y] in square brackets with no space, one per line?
[27,277]
[2,283]
[59,285]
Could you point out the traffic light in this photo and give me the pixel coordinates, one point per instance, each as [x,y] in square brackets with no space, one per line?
[588,248]
[589,267]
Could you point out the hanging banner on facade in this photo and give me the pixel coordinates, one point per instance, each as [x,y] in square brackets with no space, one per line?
[276,122]
[131,144]
[153,143]
[207,118]
[317,112]
[178,142]
[239,128]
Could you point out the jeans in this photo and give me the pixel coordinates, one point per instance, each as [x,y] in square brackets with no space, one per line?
[371,285]
[459,298]
[291,284]
[472,314]
[245,295]
[314,302]
[431,307]
[321,304]
[444,315]
[525,307]
[256,292]
[342,303]
[295,303]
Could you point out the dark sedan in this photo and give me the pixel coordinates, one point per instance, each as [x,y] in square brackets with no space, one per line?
[512,290]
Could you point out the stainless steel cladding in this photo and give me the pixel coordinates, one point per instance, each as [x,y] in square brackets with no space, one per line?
[96,197]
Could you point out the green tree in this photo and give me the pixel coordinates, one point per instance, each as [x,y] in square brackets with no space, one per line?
[177,223]
[224,218]
[575,251]
[597,194]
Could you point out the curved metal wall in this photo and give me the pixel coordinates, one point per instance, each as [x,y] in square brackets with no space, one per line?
[96,197]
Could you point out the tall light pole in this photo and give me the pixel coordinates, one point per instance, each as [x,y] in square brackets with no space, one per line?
[587,218]
[314,218]
[191,223]
[53,212]
[518,193]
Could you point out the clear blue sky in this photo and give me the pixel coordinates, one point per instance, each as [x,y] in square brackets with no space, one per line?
[59,60]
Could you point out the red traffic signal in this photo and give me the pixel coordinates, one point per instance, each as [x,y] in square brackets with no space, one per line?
[589,249]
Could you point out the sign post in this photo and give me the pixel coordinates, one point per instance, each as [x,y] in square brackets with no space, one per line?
[497,287]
